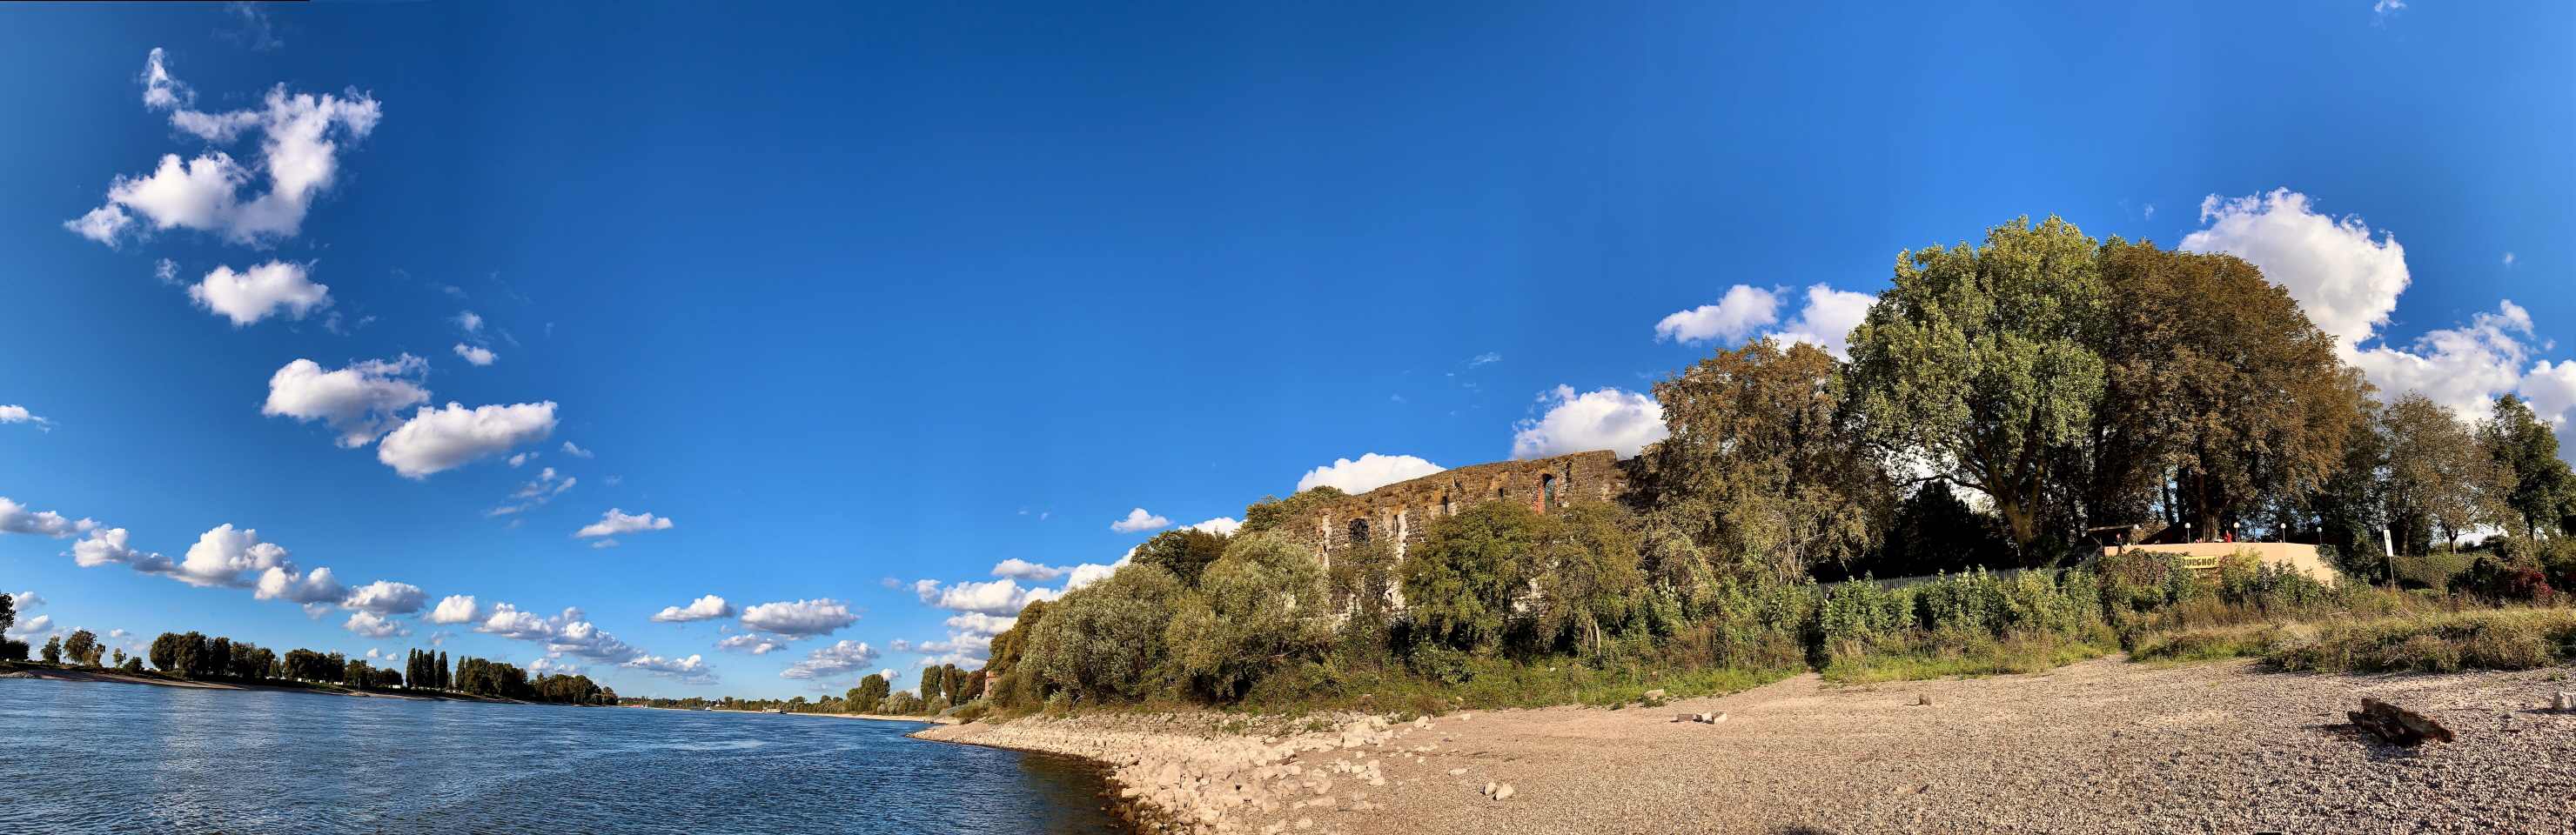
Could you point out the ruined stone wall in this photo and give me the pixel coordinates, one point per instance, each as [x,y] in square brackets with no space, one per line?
[1403,511]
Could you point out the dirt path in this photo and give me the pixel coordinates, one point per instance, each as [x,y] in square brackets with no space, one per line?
[2102,746]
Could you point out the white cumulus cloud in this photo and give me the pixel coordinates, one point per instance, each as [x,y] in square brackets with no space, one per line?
[509,622]
[1221,526]
[1743,309]
[1020,569]
[314,589]
[436,440]
[359,401]
[799,619]
[1370,472]
[832,661]
[109,547]
[2463,368]
[978,623]
[1827,320]
[384,597]
[1620,421]
[476,354]
[16,518]
[709,607]
[298,160]
[372,625]
[2348,283]
[2345,281]
[1000,597]
[749,644]
[585,639]
[1139,520]
[690,670]
[223,554]
[617,521]
[457,608]
[260,292]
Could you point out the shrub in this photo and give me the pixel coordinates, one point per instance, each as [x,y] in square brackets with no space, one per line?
[1260,606]
[1105,640]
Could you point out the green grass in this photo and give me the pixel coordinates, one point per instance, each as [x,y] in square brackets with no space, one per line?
[2217,643]
[2428,640]
[1937,655]
[2501,639]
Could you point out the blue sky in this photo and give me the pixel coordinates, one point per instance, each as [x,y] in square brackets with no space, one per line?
[848,297]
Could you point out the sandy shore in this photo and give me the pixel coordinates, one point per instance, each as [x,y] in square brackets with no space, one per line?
[2102,746]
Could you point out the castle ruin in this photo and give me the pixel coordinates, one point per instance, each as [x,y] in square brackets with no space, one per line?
[1401,513]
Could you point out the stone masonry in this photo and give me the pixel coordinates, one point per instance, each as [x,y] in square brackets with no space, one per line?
[1402,512]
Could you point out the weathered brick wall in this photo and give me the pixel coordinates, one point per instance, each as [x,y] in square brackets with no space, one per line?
[1404,510]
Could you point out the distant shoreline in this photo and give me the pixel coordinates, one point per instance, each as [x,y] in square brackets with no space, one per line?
[112,676]
[931,720]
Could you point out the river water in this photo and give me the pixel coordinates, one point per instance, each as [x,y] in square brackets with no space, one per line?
[81,757]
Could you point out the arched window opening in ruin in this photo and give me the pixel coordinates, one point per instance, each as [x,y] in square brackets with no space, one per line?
[1359,532]
[1547,489]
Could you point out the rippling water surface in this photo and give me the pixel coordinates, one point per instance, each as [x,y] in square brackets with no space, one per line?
[91,757]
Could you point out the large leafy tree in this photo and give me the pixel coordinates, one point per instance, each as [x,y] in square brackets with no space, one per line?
[1978,364]
[2544,490]
[2439,479]
[1758,469]
[2221,400]
[1459,584]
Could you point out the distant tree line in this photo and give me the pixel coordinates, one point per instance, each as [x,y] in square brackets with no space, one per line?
[193,655]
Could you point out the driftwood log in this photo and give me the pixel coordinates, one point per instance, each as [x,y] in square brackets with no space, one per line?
[2398,725]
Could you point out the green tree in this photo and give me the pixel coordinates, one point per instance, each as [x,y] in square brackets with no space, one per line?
[165,652]
[1261,606]
[53,651]
[1459,584]
[2439,478]
[1363,585]
[1977,364]
[872,690]
[1270,511]
[82,648]
[1587,574]
[1185,552]
[1008,649]
[2221,400]
[930,682]
[1105,640]
[2544,490]
[1758,469]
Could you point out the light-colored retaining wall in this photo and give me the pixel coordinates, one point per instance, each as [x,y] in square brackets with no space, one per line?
[2301,557]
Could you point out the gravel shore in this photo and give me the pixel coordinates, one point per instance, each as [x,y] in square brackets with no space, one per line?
[2102,746]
